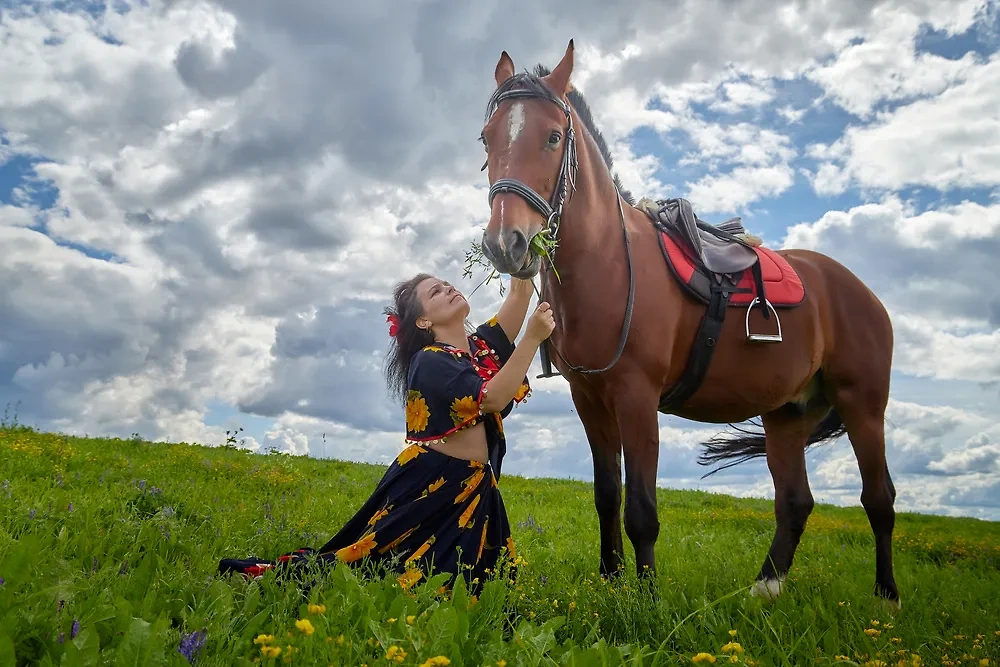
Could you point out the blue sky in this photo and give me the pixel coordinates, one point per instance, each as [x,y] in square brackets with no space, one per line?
[181,187]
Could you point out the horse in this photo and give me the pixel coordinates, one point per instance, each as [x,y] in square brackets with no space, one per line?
[670,279]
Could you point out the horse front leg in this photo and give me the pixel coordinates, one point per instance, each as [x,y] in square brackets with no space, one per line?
[606,450]
[640,436]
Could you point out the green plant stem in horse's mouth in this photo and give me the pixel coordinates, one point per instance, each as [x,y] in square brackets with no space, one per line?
[542,244]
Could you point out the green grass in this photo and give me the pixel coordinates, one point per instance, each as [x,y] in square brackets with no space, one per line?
[124,537]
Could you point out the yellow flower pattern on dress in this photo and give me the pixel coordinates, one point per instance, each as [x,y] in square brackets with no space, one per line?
[417,413]
[522,391]
[432,487]
[358,550]
[464,409]
[378,515]
[423,549]
[408,454]
[466,520]
[470,483]
[482,539]
[410,577]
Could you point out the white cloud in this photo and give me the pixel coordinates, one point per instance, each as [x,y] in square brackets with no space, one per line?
[262,175]
[947,141]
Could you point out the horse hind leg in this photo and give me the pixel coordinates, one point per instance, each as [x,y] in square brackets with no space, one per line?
[787,432]
[862,408]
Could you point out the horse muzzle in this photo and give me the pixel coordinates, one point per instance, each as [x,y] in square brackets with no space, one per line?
[508,252]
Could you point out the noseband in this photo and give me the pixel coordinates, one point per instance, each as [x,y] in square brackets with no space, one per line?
[552,209]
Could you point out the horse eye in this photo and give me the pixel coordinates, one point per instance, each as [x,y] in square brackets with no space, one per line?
[554,138]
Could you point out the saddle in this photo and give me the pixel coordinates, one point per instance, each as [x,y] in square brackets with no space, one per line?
[722,266]
[717,248]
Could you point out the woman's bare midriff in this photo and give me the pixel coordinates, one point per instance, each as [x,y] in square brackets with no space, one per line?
[468,444]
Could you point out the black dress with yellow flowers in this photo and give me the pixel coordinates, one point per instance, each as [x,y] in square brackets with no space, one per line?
[431,512]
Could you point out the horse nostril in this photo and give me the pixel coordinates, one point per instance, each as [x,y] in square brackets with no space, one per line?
[517,244]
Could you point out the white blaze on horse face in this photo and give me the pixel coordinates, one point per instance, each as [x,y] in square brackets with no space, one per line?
[515,123]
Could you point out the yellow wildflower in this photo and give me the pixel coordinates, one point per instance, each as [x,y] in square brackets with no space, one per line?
[270,651]
[436,661]
[410,619]
[732,633]
[305,626]
[263,639]
[872,632]
[732,647]
[703,657]
[317,609]
[395,654]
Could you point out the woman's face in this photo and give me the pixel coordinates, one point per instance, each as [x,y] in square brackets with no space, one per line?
[441,303]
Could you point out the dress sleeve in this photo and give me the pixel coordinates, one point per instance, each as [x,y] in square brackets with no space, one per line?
[491,332]
[444,394]
[502,347]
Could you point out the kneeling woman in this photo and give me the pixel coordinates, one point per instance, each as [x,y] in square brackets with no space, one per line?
[438,506]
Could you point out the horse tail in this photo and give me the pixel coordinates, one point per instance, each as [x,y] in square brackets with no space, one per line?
[751,443]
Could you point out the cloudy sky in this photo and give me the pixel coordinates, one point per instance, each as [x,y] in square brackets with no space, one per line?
[204,205]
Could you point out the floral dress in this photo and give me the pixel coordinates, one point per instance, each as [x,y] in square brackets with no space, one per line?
[432,512]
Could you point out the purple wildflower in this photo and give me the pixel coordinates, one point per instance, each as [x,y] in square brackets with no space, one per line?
[191,643]
[75,629]
[70,508]
[62,637]
[142,485]
[31,514]
[2,581]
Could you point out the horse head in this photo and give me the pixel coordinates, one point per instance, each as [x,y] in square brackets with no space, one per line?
[531,161]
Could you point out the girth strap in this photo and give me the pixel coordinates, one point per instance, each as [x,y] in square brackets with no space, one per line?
[701,352]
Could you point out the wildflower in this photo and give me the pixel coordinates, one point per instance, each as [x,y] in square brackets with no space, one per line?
[305,626]
[263,639]
[703,657]
[501,663]
[732,633]
[872,632]
[410,619]
[74,629]
[317,609]
[436,661]
[270,651]
[190,644]
[395,654]
[732,647]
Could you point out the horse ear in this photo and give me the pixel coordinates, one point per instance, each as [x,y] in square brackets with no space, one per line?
[505,68]
[558,80]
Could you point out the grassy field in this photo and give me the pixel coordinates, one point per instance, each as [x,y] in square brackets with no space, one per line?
[108,553]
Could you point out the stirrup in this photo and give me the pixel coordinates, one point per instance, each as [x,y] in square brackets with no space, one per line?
[758,337]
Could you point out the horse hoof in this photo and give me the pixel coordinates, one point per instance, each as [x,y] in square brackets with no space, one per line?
[892,606]
[767,588]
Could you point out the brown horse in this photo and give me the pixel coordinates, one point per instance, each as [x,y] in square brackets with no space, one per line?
[637,334]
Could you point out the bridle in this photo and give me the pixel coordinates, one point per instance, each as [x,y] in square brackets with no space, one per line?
[552,209]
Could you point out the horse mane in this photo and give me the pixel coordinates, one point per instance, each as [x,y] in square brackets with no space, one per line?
[533,82]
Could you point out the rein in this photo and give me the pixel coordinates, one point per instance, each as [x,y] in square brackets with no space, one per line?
[552,210]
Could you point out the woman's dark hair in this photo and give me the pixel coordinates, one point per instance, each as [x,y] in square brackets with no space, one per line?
[410,338]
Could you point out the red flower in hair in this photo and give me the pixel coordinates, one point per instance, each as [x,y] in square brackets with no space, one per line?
[393,322]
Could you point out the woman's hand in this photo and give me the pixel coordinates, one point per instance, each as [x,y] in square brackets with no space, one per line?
[541,324]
